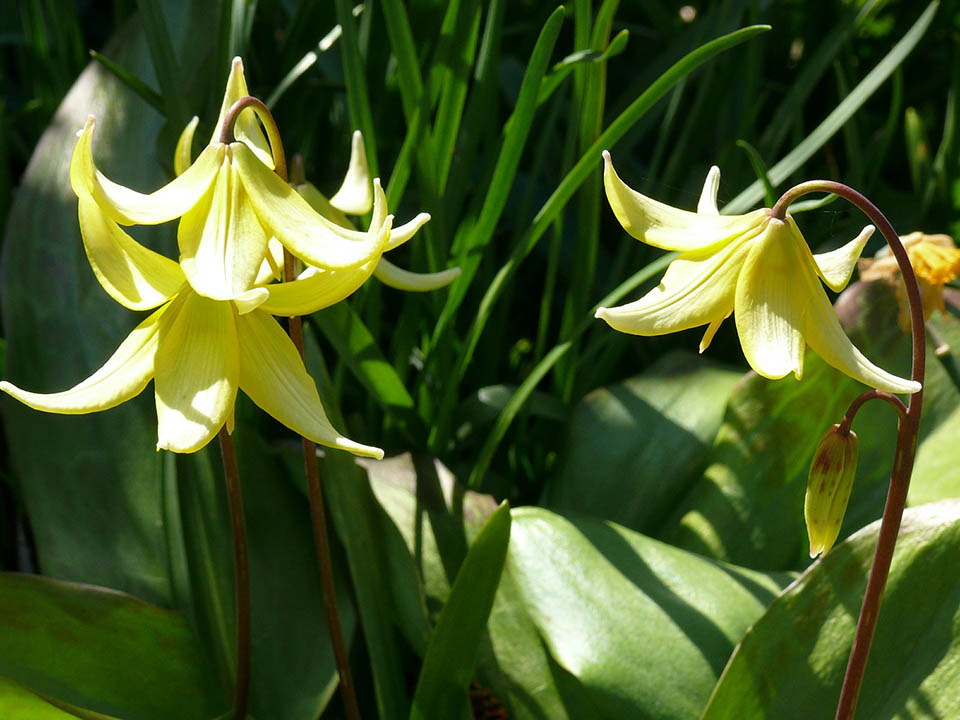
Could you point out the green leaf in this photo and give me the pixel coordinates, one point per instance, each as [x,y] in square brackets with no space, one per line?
[19,703]
[633,449]
[791,663]
[748,506]
[103,526]
[103,650]
[583,605]
[452,653]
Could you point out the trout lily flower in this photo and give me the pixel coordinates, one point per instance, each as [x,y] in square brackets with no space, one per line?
[211,331]
[754,265]
[935,260]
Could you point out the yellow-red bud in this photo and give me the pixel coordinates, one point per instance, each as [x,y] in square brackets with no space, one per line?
[828,487]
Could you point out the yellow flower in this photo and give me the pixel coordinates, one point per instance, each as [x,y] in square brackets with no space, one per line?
[211,332]
[230,203]
[753,264]
[935,260]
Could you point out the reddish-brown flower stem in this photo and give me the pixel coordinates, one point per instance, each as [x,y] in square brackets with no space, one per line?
[895,402]
[269,124]
[241,573]
[904,454]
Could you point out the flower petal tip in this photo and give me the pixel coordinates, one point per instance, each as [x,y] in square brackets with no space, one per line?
[606,157]
[601,313]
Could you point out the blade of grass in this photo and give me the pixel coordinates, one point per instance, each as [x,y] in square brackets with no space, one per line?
[836,119]
[448,666]
[149,95]
[164,61]
[557,201]
[760,170]
[526,388]
[354,75]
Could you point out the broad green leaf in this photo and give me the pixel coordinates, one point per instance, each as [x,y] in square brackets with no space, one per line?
[103,650]
[90,485]
[633,449]
[19,703]
[583,606]
[791,662]
[748,506]
[451,656]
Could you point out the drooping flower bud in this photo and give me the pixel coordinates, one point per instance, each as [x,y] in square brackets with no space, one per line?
[828,487]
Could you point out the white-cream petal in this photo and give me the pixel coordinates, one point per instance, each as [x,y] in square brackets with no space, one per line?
[134,276]
[400,279]
[667,227]
[770,304]
[355,196]
[308,235]
[697,289]
[122,377]
[197,372]
[247,128]
[836,267]
[222,243]
[406,231]
[128,207]
[183,154]
[708,196]
[273,376]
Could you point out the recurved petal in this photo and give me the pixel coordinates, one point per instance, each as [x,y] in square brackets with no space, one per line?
[222,244]
[314,290]
[669,228]
[836,267]
[355,196]
[395,277]
[122,377]
[308,235]
[698,288]
[273,376]
[406,231]
[827,339]
[134,276]
[247,128]
[197,371]
[182,155]
[771,302]
[708,196]
[129,207]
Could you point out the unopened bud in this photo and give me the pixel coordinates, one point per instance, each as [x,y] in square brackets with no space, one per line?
[828,487]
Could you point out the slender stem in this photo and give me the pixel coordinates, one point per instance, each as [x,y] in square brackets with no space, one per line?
[321,539]
[318,514]
[273,133]
[907,431]
[242,574]
[895,402]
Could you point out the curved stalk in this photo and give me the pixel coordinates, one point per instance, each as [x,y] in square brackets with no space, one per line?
[907,432]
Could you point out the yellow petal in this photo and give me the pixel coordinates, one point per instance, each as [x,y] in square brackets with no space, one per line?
[316,289]
[389,274]
[406,231]
[698,288]
[836,267]
[122,377]
[129,207]
[771,301]
[272,266]
[273,376]
[183,156]
[250,300]
[711,331]
[196,372]
[708,196]
[308,235]
[134,276]
[669,228]
[222,243]
[247,128]
[355,196]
